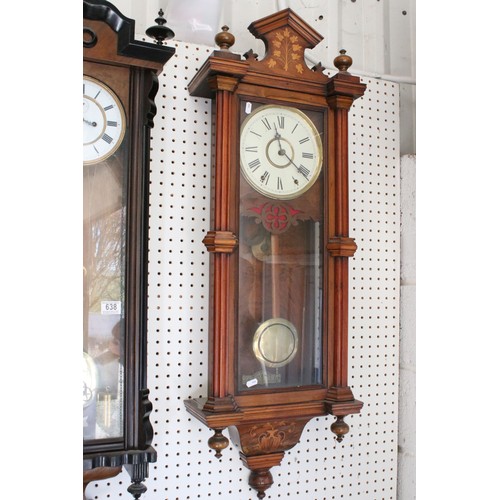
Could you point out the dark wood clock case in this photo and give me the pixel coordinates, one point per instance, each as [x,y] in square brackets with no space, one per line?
[131,68]
[264,423]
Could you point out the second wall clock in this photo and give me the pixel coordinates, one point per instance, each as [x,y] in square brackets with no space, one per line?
[279,244]
[120,82]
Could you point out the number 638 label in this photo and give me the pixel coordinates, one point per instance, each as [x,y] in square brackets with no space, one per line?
[111,307]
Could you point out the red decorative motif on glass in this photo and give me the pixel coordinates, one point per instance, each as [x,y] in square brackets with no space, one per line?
[276,218]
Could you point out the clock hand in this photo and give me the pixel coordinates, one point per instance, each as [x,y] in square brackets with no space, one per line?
[292,162]
[94,124]
[277,136]
[282,152]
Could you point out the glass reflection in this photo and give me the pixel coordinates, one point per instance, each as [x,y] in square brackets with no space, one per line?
[103,292]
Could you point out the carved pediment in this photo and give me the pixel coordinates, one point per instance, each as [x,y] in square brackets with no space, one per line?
[286,36]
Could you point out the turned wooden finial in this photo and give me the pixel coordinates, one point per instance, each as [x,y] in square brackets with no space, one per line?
[343,62]
[260,480]
[159,31]
[340,428]
[224,39]
[218,442]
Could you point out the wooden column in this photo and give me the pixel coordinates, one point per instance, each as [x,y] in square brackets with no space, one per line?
[221,241]
[342,246]
[343,89]
[218,79]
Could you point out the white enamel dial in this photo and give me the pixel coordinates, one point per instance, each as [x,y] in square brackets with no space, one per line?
[281,152]
[103,121]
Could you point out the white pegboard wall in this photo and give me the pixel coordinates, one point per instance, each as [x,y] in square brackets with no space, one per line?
[363,466]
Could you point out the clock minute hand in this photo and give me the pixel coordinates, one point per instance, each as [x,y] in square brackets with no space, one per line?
[292,162]
[282,152]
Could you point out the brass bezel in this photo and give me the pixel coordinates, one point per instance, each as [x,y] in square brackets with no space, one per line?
[121,109]
[315,135]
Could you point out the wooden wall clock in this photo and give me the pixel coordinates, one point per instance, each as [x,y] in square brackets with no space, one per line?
[119,86]
[279,244]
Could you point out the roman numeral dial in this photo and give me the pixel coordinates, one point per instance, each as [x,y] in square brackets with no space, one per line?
[103,121]
[281,152]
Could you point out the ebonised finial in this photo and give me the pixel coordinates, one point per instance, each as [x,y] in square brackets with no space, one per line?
[159,31]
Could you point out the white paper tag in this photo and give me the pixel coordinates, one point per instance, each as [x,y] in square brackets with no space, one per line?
[248,108]
[252,382]
[111,307]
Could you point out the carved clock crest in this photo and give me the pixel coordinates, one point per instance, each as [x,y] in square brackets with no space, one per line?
[279,244]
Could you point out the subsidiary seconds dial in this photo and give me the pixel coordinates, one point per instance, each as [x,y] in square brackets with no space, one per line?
[103,121]
[281,152]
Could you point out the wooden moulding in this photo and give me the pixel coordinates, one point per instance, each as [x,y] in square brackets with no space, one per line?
[282,19]
[230,67]
[113,40]
[213,420]
[341,247]
[220,241]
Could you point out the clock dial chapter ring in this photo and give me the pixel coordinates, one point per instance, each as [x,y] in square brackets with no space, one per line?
[279,152]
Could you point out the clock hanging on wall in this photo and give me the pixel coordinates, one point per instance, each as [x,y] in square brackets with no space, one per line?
[279,244]
[120,81]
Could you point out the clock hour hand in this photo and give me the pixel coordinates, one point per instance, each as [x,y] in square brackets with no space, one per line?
[277,136]
[93,124]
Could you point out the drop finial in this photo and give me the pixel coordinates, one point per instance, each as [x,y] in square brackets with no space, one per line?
[218,442]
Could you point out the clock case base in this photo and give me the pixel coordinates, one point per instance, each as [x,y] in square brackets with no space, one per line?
[264,434]
[99,466]
[264,426]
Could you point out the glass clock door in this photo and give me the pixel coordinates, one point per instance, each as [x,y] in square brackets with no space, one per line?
[104,238]
[280,248]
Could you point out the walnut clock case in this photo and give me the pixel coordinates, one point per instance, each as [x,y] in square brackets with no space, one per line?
[119,86]
[279,244]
